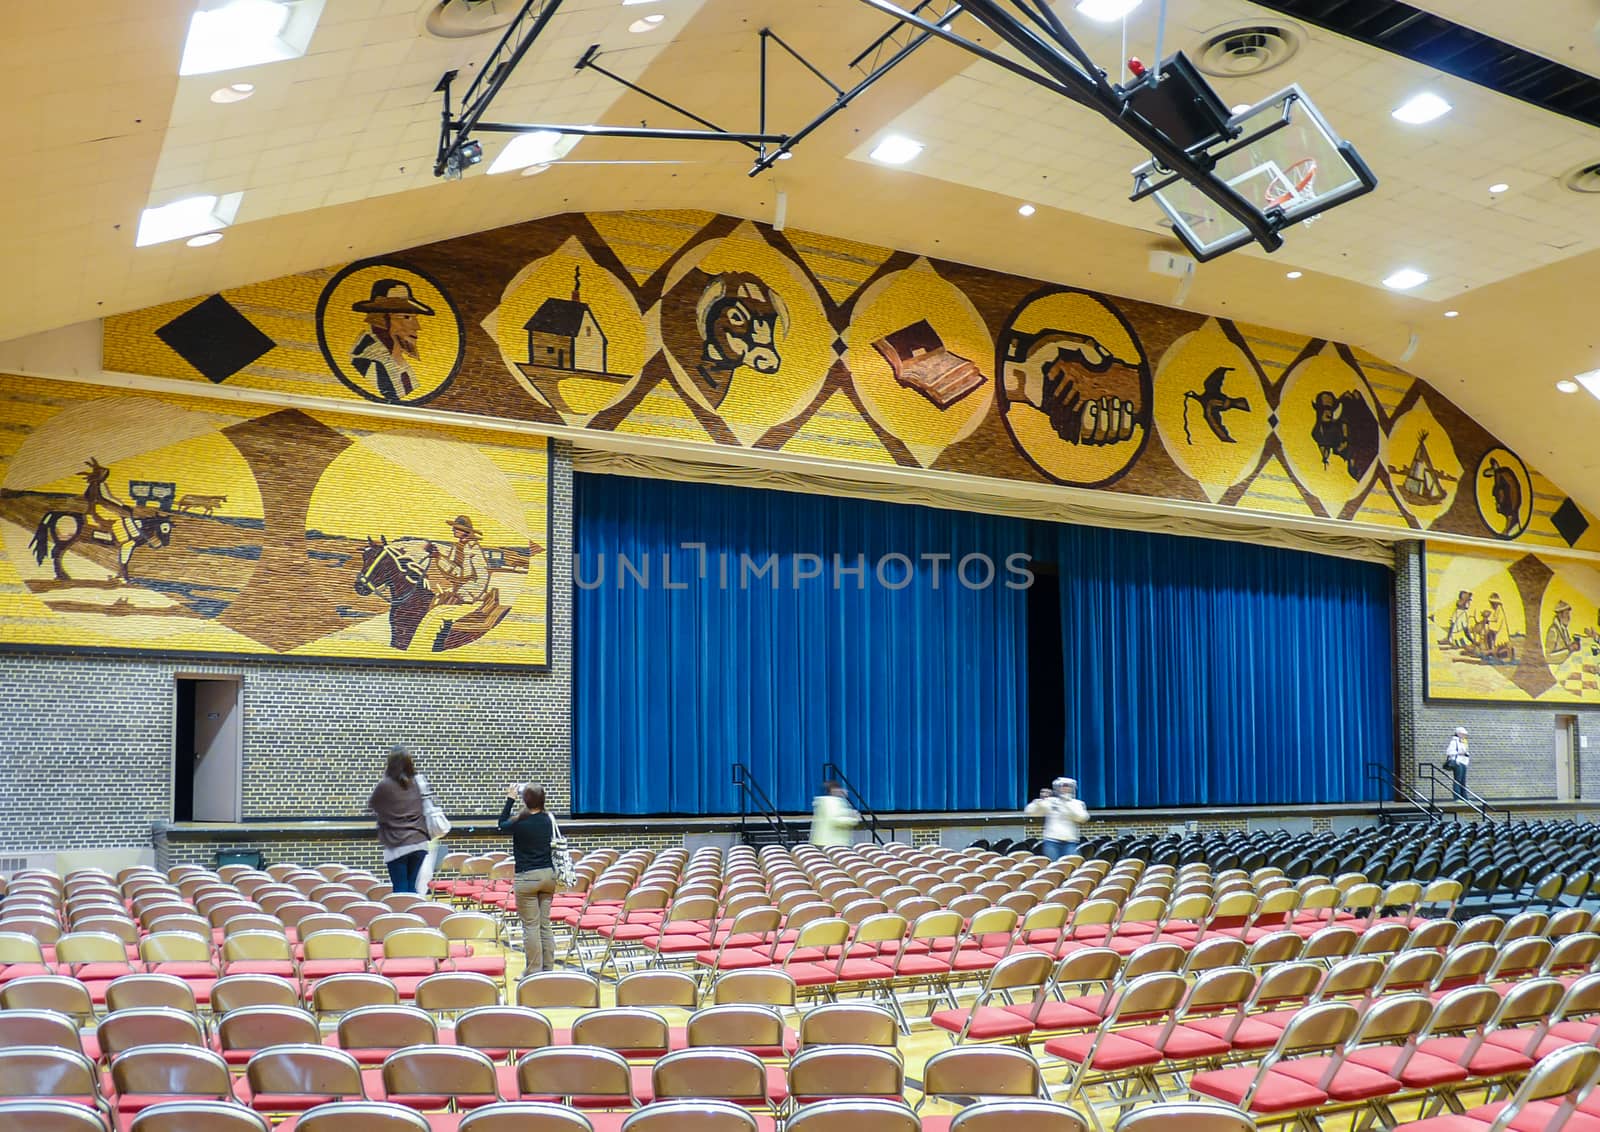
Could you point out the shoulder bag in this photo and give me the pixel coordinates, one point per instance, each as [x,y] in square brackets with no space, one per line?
[561,857]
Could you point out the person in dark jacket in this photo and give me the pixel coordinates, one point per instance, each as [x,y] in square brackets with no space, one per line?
[402,831]
[535,881]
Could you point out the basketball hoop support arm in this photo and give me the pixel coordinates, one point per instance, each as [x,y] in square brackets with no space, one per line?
[1059,64]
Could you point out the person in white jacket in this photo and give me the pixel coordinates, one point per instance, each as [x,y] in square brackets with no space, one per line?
[1063,814]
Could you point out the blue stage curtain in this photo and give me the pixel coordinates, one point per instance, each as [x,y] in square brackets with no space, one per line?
[1196,672]
[1219,673]
[918,693]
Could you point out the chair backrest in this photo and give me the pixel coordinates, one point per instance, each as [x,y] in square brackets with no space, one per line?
[721,1074]
[40,1071]
[304,1071]
[1019,1116]
[503,1030]
[747,1026]
[549,989]
[763,987]
[630,1031]
[47,992]
[845,1071]
[854,1115]
[51,1116]
[525,1116]
[1566,1073]
[450,991]
[259,1027]
[362,1116]
[1186,1117]
[690,1116]
[848,1023]
[386,1027]
[128,1029]
[131,992]
[338,993]
[171,1071]
[660,988]
[982,1071]
[576,1072]
[439,1071]
[38,1028]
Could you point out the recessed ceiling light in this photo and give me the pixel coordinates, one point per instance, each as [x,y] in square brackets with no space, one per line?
[626,3]
[1452,314]
[646,23]
[895,150]
[535,170]
[1240,109]
[234,92]
[1026,210]
[244,33]
[187,217]
[540,147]
[1421,108]
[205,239]
[1405,279]
[1106,10]
[1499,187]
[1293,275]
[1567,386]
[785,155]
[1590,381]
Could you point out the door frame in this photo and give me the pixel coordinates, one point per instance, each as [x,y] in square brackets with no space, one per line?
[235,678]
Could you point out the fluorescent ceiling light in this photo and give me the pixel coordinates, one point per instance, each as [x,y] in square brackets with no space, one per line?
[233,92]
[1405,279]
[1590,381]
[646,23]
[1567,386]
[204,240]
[187,217]
[1293,275]
[1106,10]
[1421,108]
[541,147]
[1026,210]
[1452,314]
[895,150]
[1499,188]
[226,34]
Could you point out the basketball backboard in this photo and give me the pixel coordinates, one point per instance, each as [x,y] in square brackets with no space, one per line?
[1280,156]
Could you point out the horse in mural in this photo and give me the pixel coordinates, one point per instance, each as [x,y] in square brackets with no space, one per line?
[58,531]
[399,580]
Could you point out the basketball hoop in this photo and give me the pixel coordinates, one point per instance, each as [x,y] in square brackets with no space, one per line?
[1293,183]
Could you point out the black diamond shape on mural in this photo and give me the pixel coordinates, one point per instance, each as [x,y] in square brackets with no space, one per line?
[1569,522]
[839,347]
[215,338]
[1272,420]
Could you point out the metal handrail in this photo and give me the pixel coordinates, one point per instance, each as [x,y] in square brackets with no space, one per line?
[1378,772]
[1475,802]
[750,791]
[869,817]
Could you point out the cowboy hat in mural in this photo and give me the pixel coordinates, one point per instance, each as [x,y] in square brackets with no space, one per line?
[389,332]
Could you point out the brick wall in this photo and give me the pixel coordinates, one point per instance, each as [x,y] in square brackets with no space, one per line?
[86,743]
[1512,744]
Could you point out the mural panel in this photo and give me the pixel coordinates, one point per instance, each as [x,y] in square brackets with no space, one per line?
[714,331]
[1510,628]
[176,525]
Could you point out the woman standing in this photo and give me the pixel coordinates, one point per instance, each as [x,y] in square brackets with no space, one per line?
[535,882]
[402,831]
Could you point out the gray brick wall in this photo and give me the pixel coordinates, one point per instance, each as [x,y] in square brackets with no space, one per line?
[1512,744]
[86,742]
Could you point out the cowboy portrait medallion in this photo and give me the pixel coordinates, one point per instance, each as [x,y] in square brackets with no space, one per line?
[389,332]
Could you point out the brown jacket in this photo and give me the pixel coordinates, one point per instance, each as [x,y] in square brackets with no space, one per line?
[399,810]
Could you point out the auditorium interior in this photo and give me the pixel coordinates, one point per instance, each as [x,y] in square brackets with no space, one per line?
[877,565]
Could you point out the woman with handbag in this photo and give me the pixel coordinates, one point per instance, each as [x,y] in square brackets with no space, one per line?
[402,829]
[532,831]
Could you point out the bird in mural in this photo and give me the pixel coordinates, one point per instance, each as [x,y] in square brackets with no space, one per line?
[1213,403]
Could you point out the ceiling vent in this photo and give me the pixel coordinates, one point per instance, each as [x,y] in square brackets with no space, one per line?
[1247,47]
[459,19]
[1584,178]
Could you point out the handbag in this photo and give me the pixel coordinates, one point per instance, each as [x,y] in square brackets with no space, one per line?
[561,857]
[433,817]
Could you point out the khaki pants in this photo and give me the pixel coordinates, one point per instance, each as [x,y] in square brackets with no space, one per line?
[535,889]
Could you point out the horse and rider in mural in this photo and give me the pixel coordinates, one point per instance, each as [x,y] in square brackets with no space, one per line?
[105,519]
[416,582]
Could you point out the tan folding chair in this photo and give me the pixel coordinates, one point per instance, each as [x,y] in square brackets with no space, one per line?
[235,991]
[634,1033]
[854,1115]
[984,1072]
[48,992]
[337,994]
[132,992]
[371,1033]
[1018,1116]
[286,1080]
[129,1029]
[168,1072]
[1185,1117]
[849,1023]
[570,990]
[769,987]
[420,1075]
[448,993]
[503,1032]
[691,1116]
[713,1074]
[49,1116]
[596,1078]
[362,1116]
[825,1072]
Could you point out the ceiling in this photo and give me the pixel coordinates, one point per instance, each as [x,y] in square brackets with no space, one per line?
[333,154]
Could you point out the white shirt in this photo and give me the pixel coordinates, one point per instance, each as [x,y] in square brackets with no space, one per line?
[1457,749]
[1062,816]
